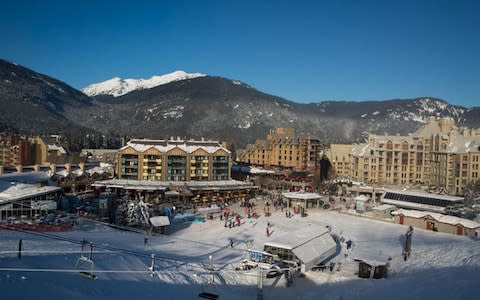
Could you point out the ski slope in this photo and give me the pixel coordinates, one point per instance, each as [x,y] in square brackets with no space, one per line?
[441,266]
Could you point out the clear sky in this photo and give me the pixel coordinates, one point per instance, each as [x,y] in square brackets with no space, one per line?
[305,51]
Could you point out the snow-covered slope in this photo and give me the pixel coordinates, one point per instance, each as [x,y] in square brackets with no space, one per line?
[118,87]
[441,266]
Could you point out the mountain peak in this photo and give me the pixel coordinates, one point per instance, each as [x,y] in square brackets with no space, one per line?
[117,86]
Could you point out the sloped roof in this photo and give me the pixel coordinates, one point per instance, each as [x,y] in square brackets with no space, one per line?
[464,145]
[11,191]
[301,195]
[317,247]
[361,150]
[429,129]
[452,220]
[308,244]
[295,239]
[167,145]
[159,221]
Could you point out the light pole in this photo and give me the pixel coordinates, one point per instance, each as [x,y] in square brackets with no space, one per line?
[259,283]
[211,268]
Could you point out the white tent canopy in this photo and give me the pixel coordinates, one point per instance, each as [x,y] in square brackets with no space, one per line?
[311,245]
[159,221]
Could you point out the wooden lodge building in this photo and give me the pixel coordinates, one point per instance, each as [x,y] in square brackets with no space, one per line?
[437,222]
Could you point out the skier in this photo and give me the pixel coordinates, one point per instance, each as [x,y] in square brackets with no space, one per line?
[231,243]
[267,231]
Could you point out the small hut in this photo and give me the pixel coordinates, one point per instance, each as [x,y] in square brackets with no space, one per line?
[304,199]
[372,269]
[360,201]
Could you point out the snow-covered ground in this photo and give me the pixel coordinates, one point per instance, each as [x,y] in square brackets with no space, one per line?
[441,266]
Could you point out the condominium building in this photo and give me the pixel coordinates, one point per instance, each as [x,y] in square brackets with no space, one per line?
[15,150]
[283,148]
[48,149]
[26,151]
[457,165]
[173,160]
[339,156]
[438,154]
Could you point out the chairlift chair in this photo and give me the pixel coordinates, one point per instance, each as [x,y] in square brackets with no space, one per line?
[84,264]
[208,295]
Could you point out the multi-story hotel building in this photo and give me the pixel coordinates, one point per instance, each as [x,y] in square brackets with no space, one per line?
[438,154]
[283,148]
[457,165]
[15,150]
[339,156]
[25,151]
[173,160]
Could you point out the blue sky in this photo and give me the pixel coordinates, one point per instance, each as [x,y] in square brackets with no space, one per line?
[305,51]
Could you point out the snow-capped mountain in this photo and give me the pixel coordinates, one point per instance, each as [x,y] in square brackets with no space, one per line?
[118,87]
[206,106]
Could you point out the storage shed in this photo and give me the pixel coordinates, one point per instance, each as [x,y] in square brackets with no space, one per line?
[372,269]
[360,203]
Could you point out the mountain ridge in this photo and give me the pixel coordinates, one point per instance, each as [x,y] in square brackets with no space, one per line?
[117,86]
[207,106]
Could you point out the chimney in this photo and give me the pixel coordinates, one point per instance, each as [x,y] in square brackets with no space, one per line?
[53,168]
[68,168]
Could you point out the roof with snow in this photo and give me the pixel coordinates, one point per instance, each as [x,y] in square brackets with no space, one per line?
[57,148]
[361,198]
[11,191]
[159,221]
[255,170]
[361,150]
[383,207]
[188,146]
[463,145]
[26,177]
[302,195]
[309,244]
[452,220]
[419,200]
[431,128]
[165,185]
